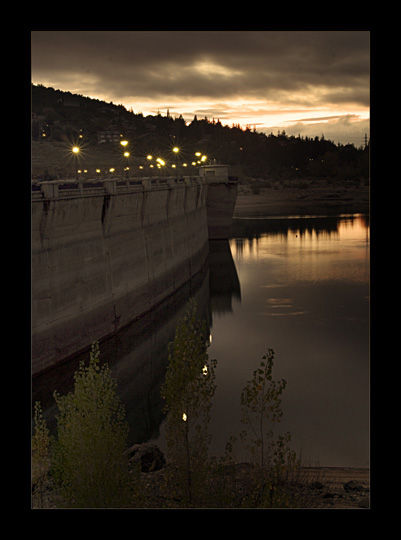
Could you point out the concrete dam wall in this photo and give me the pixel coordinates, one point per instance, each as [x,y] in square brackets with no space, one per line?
[105,253]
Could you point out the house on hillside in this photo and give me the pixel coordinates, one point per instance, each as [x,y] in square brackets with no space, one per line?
[40,129]
[108,136]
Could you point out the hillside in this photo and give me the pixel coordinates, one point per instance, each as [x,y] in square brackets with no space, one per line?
[61,120]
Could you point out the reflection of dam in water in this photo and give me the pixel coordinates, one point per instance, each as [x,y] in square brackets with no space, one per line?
[224,282]
[138,354]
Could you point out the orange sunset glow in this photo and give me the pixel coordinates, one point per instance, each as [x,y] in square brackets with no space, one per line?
[305,83]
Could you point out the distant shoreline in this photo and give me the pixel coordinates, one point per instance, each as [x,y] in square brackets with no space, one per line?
[313,200]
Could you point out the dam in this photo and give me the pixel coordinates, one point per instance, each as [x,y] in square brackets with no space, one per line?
[106,252]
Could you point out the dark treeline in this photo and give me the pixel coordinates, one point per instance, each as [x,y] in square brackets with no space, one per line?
[63,116]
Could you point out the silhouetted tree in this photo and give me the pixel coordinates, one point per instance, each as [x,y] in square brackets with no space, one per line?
[256,153]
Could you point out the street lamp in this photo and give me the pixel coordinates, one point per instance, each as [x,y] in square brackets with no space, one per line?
[126,155]
[175,150]
[75,151]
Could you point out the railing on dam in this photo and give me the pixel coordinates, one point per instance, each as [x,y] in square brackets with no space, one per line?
[60,189]
[71,188]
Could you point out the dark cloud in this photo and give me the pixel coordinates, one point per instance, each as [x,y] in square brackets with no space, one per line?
[203,64]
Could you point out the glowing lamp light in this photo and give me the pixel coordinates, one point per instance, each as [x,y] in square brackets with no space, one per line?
[203,158]
[98,171]
[184,417]
[124,143]
[204,370]
[176,149]
[198,153]
[161,161]
[112,169]
[75,149]
[79,171]
[149,157]
[126,168]
[126,154]
[194,163]
[184,165]
[173,166]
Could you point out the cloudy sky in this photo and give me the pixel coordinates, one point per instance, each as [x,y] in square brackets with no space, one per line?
[304,82]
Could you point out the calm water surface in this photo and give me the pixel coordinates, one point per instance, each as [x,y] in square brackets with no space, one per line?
[297,285]
[305,293]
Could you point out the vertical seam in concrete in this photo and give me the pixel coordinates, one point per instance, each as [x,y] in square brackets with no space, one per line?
[43,221]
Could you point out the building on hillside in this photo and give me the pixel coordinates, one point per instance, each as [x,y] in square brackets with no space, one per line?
[40,129]
[108,136]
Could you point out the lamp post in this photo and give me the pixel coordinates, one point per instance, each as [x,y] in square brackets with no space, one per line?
[175,151]
[124,144]
[75,151]
[126,155]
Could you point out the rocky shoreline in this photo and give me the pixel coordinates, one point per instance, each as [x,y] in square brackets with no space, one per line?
[340,491]
[312,488]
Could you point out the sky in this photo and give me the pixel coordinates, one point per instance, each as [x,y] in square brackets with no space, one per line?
[307,83]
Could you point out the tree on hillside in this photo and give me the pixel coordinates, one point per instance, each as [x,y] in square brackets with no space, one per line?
[261,155]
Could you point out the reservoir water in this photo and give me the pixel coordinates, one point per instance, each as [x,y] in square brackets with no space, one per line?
[298,285]
[305,294]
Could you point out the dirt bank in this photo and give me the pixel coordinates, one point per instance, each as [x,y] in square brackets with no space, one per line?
[314,199]
[313,488]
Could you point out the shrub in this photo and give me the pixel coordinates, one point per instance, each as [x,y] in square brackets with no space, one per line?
[90,464]
[40,456]
[261,408]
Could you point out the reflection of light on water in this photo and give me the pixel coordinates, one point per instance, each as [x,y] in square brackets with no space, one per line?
[245,247]
[311,253]
[304,292]
[355,228]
